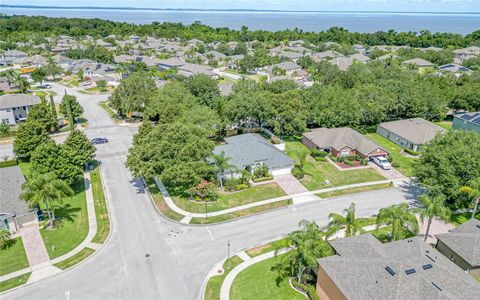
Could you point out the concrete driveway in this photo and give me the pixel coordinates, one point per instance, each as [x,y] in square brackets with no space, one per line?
[391,174]
[290,184]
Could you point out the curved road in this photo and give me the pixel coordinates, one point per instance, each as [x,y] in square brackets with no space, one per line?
[180,256]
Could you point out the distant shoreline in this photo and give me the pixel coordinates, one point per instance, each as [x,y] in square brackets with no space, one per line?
[231,10]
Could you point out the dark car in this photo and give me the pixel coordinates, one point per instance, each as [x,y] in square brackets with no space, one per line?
[99,140]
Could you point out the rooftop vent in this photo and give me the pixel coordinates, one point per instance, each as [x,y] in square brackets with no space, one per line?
[410,271]
[438,288]
[426,267]
[390,270]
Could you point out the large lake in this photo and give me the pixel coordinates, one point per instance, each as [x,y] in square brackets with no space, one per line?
[314,21]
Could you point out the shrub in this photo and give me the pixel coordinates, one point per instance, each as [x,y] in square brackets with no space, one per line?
[269,177]
[348,162]
[101,83]
[260,172]
[241,187]
[396,165]
[307,288]
[333,158]
[363,161]
[298,173]
[4,128]
[320,158]
[411,152]
[230,184]
[318,153]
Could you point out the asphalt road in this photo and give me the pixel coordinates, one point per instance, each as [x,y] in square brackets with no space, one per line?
[180,256]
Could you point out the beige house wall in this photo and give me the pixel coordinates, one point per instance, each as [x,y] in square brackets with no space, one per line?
[326,288]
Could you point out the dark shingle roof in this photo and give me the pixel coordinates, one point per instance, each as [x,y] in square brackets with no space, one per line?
[360,271]
[464,241]
[11,187]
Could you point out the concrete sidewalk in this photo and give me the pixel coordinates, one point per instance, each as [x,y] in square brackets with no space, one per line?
[307,196]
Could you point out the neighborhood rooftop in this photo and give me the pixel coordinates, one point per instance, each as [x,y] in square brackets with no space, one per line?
[17,100]
[464,241]
[11,187]
[407,269]
[416,130]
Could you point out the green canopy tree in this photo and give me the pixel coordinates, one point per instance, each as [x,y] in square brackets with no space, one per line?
[432,207]
[45,189]
[70,102]
[39,75]
[77,149]
[52,69]
[400,218]
[349,222]
[42,113]
[204,88]
[30,135]
[46,158]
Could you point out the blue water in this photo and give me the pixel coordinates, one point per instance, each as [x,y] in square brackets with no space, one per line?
[315,21]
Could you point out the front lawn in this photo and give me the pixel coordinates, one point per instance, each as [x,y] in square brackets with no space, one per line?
[250,195]
[13,258]
[160,202]
[394,150]
[214,284]
[317,172]
[262,249]
[444,124]
[72,228]
[258,282]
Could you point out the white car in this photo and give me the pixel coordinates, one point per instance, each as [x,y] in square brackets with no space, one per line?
[382,162]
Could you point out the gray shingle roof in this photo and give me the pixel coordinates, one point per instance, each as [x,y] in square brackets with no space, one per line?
[359,271]
[248,149]
[419,62]
[17,100]
[416,130]
[465,241]
[11,187]
[339,138]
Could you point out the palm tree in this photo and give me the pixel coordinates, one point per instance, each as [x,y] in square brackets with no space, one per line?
[307,245]
[400,217]
[348,222]
[433,207]
[45,188]
[221,165]
[472,189]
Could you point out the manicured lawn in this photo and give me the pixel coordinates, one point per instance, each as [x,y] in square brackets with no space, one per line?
[101,210]
[355,190]
[14,282]
[250,195]
[258,282]
[82,255]
[444,124]
[406,163]
[13,258]
[25,167]
[72,228]
[317,173]
[259,250]
[110,112]
[459,219]
[241,213]
[214,284]
[160,202]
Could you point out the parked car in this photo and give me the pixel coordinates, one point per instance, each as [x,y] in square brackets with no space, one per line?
[99,140]
[382,162]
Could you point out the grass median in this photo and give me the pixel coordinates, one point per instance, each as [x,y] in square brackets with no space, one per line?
[355,190]
[262,249]
[214,284]
[14,282]
[80,256]
[101,209]
[160,202]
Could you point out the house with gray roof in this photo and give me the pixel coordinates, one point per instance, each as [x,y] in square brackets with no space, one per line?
[467,121]
[250,151]
[409,133]
[14,213]
[419,62]
[188,70]
[342,142]
[364,268]
[462,246]
[14,108]
[170,63]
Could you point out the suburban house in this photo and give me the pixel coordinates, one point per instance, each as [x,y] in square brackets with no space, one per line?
[14,107]
[342,142]
[419,62]
[467,121]
[462,246]
[170,63]
[250,151]
[409,133]
[14,213]
[455,69]
[364,268]
[188,70]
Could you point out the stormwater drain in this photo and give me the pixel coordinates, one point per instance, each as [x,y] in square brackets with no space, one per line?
[147,255]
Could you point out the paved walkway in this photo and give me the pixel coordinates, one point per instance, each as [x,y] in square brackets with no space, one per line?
[303,197]
[40,264]
[34,246]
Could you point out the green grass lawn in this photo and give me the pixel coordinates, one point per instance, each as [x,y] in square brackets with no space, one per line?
[13,258]
[383,234]
[258,282]
[355,190]
[160,202]
[444,124]
[72,229]
[250,195]
[262,249]
[241,213]
[459,219]
[406,163]
[110,112]
[14,282]
[214,284]
[317,172]
[80,256]
[101,210]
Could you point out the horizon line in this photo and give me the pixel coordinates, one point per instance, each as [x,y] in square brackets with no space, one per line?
[226,10]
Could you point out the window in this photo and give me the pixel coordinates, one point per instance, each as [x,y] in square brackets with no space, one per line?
[345,153]
[5,121]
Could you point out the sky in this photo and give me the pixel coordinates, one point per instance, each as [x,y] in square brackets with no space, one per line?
[305,5]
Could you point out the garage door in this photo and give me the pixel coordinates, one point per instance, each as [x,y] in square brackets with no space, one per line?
[282,171]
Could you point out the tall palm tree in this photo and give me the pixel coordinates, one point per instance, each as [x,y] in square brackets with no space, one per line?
[472,189]
[307,245]
[433,207]
[46,189]
[348,222]
[400,217]
[221,165]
